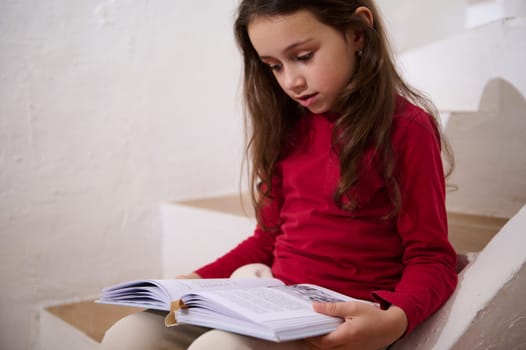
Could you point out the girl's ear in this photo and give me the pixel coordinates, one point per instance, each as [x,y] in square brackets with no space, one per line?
[356,36]
[366,15]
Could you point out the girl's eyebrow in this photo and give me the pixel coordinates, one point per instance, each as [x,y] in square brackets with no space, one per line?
[290,47]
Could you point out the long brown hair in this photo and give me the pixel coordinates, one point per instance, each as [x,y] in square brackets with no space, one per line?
[367,103]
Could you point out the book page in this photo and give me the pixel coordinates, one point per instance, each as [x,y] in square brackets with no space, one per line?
[177,288]
[265,304]
[158,294]
[274,313]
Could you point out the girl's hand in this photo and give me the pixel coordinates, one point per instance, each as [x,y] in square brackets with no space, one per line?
[365,326]
[189,276]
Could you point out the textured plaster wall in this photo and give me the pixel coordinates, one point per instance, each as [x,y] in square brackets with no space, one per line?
[109,108]
[106,109]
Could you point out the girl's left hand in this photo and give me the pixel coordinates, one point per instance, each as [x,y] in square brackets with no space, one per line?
[365,327]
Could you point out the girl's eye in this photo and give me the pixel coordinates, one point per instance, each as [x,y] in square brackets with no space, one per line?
[305,57]
[275,67]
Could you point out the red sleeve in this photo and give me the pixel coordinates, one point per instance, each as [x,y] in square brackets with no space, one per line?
[258,248]
[429,276]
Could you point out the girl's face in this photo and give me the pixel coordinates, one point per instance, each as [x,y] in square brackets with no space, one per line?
[311,61]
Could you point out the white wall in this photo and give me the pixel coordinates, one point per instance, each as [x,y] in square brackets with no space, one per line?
[106,109]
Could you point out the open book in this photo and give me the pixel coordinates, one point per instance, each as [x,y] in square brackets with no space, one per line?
[260,307]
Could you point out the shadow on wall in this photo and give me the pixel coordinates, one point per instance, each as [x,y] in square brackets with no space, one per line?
[489,147]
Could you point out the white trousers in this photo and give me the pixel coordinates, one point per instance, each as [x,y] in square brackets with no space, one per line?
[146,331]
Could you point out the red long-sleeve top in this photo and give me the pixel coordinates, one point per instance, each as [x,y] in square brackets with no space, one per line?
[406,261]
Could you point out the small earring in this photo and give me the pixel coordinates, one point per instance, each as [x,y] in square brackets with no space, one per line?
[359,53]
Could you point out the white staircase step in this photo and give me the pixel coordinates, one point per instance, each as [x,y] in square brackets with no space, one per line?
[455,71]
[189,227]
[196,232]
[490,166]
[77,325]
[57,334]
[479,12]
[488,308]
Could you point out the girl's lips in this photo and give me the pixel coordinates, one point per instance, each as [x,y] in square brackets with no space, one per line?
[307,100]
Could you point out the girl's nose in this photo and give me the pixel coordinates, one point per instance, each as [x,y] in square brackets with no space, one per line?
[294,81]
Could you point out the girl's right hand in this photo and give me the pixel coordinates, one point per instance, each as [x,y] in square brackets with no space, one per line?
[365,326]
[189,276]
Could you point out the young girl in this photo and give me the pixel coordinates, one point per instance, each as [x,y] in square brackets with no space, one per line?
[347,177]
